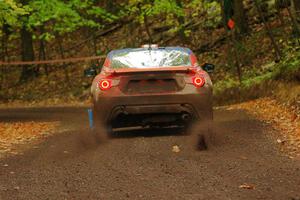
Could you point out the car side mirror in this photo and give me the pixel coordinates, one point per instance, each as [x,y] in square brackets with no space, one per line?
[90,72]
[209,68]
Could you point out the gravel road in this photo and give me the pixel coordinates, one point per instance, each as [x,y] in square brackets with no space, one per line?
[245,164]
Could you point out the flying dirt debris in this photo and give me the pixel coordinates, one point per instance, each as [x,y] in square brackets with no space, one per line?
[176,149]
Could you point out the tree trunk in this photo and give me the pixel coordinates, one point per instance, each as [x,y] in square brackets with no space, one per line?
[237,62]
[240,16]
[224,22]
[269,32]
[181,22]
[279,15]
[95,42]
[2,58]
[181,31]
[294,22]
[27,51]
[111,6]
[28,71]
[4,52]
[296,12]
[42,50]
[5,35]
[146,24]
[42,54]
[297,6]
[62,54]
[147,29]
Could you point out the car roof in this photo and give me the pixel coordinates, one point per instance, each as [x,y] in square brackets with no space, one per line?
[118,51]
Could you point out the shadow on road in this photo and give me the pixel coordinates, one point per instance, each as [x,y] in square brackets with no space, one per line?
[157,132]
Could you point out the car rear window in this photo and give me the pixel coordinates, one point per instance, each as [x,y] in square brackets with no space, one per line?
[150,58]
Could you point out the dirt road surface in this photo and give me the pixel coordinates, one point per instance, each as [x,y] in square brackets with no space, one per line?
[245,164]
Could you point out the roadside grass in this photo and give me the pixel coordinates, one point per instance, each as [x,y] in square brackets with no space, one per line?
[279,80]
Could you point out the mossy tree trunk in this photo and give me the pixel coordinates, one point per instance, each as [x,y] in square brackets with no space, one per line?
[240,16]
[297,6]
[181,22]
[27,50]
[269,32]
[28,71]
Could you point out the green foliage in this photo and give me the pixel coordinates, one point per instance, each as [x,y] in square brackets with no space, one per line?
[225,84]
[287,69]
[56,16]
[210,10]
[168,10]
[290,66]
[61,17]
[256,80]
[170,7]
[10,11]
[141,8]
[176,13]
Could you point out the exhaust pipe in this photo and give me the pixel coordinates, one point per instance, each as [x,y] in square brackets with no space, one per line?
[186,117]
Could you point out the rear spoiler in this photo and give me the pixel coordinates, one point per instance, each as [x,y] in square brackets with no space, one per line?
[153,70]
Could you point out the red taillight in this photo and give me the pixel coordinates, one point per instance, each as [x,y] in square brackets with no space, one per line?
[198,81]
[105,84]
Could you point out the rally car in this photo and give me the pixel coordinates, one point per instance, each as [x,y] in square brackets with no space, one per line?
[152,87]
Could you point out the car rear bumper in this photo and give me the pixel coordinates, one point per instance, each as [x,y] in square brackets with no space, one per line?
[198,106]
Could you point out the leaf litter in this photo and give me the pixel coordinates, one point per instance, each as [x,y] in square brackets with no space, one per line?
[18,133]
[283,119]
